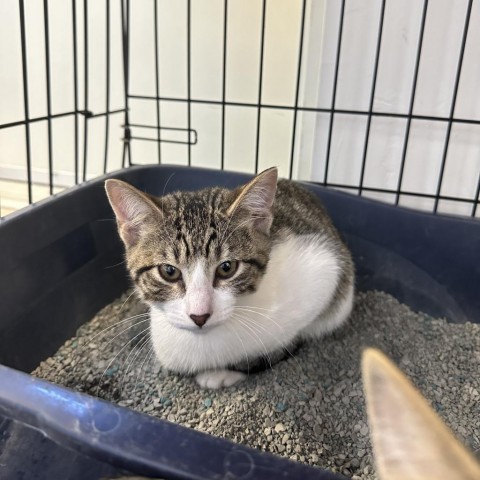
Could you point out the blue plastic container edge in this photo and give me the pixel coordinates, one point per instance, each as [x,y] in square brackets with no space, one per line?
[430,262]
[118,436]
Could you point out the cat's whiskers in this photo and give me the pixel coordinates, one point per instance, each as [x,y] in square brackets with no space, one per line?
[231,327]
[116,265]
[231,215]
[139,347]
[166,183]
[219,363]
[125,302]
[245,222]
[245,309]
[221,241]
[123,331]
[174,247]
[222,236]
[285,380]
[282,344]
[241,225]
[89,340]
[255,307]
[148,355]
[116,356]
[255,336]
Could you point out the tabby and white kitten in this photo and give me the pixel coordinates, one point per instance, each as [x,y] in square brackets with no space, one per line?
[235,279]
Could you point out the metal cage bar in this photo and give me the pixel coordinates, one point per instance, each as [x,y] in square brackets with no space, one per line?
[49,95]
[412,101]
[224,80]
[332,110]
[297,88]
[453,104]
[260,84]
[125,12]
[25,99]
[107,80]
[75,86]
[157,77]
[187,134]
[372,97]
[85,88]
[189,80]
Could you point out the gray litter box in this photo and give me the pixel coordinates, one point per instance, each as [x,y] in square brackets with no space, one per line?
[61,262]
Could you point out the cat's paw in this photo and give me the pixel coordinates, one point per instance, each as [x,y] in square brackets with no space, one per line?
[219,378]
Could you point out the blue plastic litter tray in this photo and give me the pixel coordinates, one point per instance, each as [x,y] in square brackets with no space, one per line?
[54,277]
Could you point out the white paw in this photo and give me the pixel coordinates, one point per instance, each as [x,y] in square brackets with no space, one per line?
[219,378]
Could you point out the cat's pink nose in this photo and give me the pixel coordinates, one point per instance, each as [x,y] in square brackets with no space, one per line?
[200,320]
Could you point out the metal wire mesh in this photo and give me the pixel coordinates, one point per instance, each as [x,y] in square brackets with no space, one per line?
[188,135]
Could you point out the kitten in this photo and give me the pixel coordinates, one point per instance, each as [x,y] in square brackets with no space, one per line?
[410,442]
[235,279]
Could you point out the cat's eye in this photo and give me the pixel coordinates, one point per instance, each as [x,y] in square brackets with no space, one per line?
[226,269]
[169,272]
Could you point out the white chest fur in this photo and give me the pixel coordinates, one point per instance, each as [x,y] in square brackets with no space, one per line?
[298,286]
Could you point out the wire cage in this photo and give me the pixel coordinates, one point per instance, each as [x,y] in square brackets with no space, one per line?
[377,98]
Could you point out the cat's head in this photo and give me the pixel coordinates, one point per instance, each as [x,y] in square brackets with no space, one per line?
[190,254]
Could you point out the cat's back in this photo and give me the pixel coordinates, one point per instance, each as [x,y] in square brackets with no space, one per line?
[299,211]
[303,235]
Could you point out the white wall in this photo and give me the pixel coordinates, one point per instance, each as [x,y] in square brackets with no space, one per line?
[440,52]
[12,141]
[282,35]
[399,44]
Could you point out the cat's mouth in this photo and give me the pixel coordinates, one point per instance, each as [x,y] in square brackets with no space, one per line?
[196,329]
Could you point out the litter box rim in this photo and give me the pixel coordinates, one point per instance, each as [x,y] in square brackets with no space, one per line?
[376,232]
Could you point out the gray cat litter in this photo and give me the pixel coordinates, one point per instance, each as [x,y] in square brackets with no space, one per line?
[309,408]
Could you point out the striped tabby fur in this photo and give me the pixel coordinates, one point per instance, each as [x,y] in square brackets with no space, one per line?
[235,279]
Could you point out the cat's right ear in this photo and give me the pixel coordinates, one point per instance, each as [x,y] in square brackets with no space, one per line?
[131,207]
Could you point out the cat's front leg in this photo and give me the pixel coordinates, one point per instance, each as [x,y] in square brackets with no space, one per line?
[219,378]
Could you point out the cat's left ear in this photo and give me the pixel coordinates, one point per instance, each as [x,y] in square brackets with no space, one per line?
[256,199]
